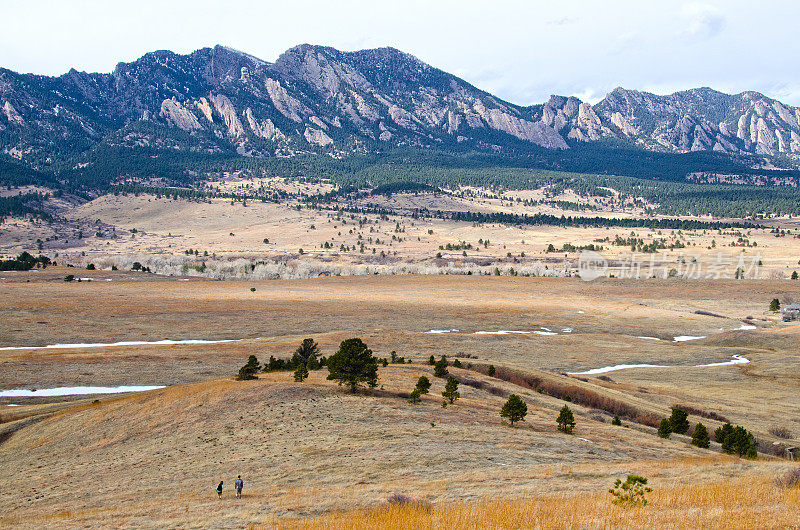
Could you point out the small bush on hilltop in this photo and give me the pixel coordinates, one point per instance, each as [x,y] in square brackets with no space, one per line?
[491,370]
[514,409]
[248,371]
[631,493]
[565,420]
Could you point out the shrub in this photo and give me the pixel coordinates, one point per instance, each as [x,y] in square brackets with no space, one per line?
[450,392]
[679,420]
[616,421]
[565,420]
[400,499]
[780,432]
[790,479]
[353,365]
[90,267]
[440,368]
[775,305]
[432,360]
[700,436]
[665,429]
[69,277]
[457,364]
[794,275]
[631,493]
[252,289]
[491,370]
[514,409]
[415,395]
[300,373]
[703,413]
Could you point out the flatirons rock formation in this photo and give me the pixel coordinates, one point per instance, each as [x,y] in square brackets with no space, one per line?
[318,99]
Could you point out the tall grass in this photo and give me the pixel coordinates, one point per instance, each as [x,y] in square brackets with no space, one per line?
[737,503]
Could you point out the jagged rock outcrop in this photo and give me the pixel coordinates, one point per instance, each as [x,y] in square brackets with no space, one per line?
[179,116]
[318,99]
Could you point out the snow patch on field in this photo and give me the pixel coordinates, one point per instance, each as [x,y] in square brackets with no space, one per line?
[737,359]
[75,391]
[165,342]
[684,338]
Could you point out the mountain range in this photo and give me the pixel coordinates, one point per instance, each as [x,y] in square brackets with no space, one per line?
[318,99]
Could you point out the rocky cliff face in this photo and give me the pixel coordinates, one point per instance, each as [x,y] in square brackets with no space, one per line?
[319,99]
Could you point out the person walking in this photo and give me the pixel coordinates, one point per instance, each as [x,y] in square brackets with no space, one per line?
[238,485]
[219,489]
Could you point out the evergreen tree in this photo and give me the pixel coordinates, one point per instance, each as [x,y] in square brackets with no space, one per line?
[721,432]
[700,436]
[565,420]
[665,428]
[616,421]
[775,305]
[491,370]
[739,441]
[451,393]
[312,363]
[415,395]
[353,365]
[679,420]
[300,373]
[457,364]
[248,371]
[423,385]
[794,275]
[432,360]
[514,409]
[305,351]
[440,368]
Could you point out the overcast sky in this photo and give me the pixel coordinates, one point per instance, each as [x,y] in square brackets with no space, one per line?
[522,51]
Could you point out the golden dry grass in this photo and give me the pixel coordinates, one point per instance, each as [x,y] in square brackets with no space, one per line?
[740,503]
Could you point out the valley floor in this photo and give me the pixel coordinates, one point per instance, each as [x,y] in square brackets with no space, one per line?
[312,454]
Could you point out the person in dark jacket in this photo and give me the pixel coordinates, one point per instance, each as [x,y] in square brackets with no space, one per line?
[219,489]
[238,485]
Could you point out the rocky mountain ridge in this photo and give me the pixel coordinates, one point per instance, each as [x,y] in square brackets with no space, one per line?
[319,99]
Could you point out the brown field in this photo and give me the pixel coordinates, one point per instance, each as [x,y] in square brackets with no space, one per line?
[313,455]
[229,237]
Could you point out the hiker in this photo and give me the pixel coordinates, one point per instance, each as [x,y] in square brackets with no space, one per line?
[219,489]
[238,485]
